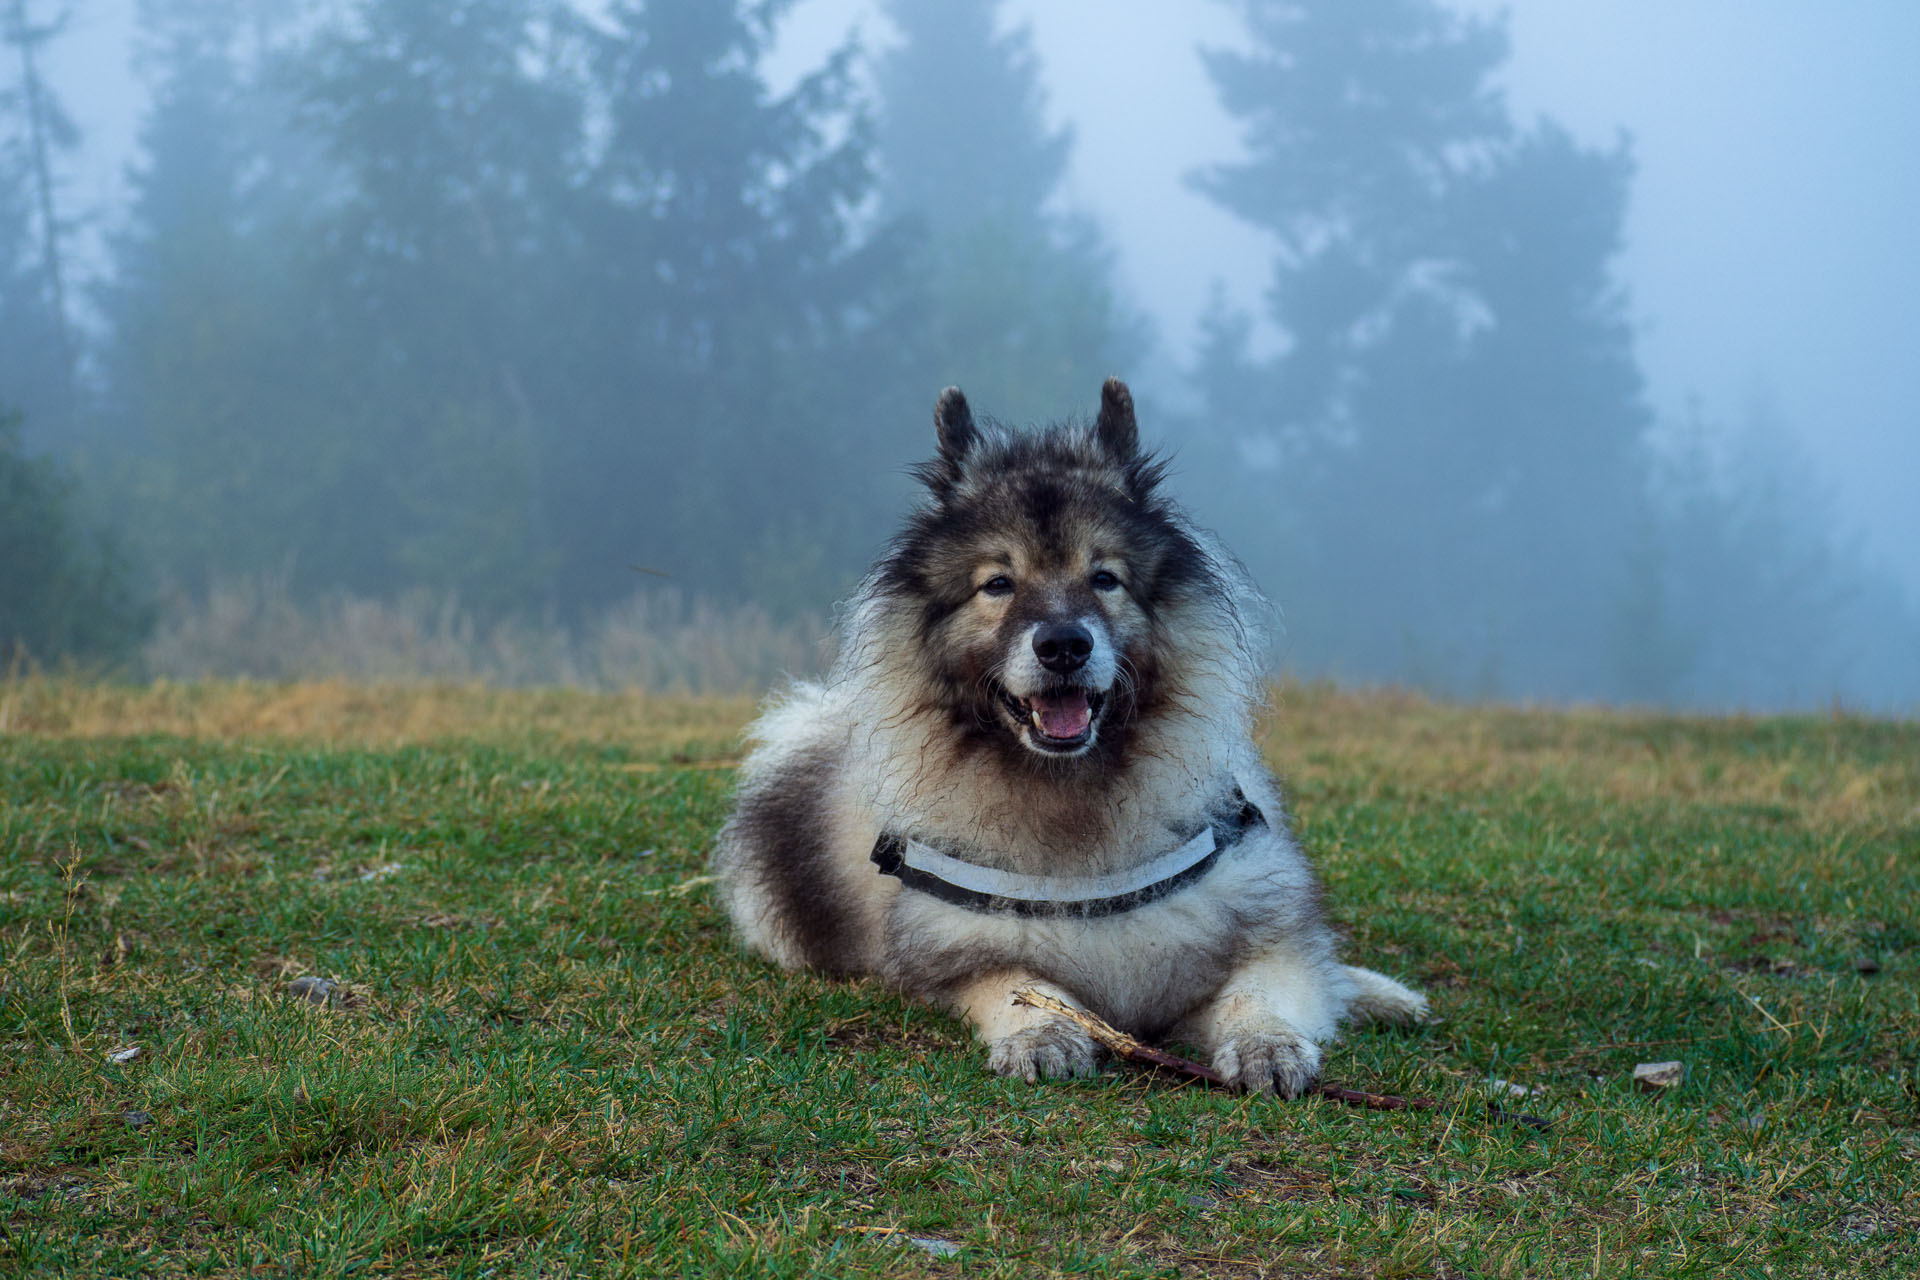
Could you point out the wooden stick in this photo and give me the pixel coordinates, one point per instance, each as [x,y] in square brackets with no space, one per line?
[1124,1046]
[1377,1101]
[1117,1041]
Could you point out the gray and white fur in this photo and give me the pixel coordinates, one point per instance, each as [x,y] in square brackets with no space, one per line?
[1051,672]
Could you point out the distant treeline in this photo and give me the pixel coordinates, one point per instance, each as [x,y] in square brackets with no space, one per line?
[510,299]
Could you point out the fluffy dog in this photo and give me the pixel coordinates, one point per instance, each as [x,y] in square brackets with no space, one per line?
[1032,765]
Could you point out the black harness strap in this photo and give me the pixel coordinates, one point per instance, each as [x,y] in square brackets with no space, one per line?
[889,855]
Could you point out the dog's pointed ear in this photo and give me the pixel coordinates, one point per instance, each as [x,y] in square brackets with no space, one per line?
[1115,428]
[953,421]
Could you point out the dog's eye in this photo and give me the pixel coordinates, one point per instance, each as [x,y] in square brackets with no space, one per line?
[998,585]
[1104,581]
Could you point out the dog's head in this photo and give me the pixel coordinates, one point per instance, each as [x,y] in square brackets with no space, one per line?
[1047,577]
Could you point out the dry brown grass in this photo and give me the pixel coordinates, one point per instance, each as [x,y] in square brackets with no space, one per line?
[1316,735]
[1809,767]
[340,713]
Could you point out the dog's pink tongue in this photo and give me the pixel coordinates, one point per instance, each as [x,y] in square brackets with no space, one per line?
[1063,715]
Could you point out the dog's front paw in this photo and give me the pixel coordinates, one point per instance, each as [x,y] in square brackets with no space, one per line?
[1044,1051]
[1277,1060]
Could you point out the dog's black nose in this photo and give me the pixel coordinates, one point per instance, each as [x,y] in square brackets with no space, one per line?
[1062,646]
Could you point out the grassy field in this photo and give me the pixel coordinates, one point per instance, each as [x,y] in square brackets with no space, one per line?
[541,1054]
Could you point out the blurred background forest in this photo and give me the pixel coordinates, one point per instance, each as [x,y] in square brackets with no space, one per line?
[530,340]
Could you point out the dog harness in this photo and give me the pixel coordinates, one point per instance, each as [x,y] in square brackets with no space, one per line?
[923,868]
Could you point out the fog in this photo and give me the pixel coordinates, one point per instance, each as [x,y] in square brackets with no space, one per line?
[490,302]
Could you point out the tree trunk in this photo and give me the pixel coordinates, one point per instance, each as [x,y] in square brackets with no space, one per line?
[26,38]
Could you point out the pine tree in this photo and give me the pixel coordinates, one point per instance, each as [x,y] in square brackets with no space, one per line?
[963,136]
[543,298]
[1766,606]
[457,129]
[744,345]
[64,592]
[1456,410]
[1019,303]
[37,343]
[204,357]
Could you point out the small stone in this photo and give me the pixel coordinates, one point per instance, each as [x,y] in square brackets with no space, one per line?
[934,1245]
[312,990]
[136,1119]
[1857,1227]
[1512,1090]
[1866,964]
[125,1055]
[1657,1076]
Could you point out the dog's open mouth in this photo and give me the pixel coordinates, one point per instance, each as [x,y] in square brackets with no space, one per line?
[1057,719]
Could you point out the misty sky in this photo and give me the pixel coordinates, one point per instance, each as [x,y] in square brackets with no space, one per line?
[1770,253]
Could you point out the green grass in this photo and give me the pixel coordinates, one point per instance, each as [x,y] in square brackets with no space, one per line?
[544,1056]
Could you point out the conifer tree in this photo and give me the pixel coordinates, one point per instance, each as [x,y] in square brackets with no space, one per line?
[457,129]
[746,354]
[65,593]
[38,354]
[1019,305]
[207,356]
[1455,413]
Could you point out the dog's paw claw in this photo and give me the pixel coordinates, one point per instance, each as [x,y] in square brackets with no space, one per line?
[1274,1061]
[1051,1050]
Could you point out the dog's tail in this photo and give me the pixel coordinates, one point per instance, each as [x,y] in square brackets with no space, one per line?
[1378,998]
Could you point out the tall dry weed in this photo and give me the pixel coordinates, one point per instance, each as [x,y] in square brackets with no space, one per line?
[659,640]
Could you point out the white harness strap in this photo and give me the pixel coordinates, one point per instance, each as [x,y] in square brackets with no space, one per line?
[1065,890]
[925,869]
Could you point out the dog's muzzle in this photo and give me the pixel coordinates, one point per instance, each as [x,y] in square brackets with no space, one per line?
[1060,719]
